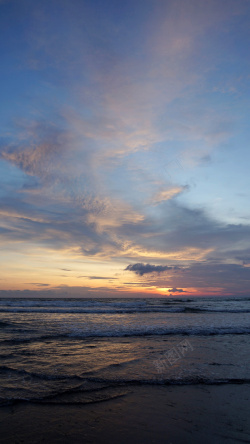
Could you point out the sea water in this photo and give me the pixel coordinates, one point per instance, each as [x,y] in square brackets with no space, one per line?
[89,350]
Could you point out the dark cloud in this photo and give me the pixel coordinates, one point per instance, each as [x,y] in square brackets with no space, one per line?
[96,277]
[49,222]
[142,269]
[229,278]
[242,256]
[176,290]
[177,228]
[38,284]
[99,277]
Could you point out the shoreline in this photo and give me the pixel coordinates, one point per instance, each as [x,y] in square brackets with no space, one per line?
[152,414]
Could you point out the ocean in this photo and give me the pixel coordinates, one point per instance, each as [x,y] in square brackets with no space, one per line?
[78,351]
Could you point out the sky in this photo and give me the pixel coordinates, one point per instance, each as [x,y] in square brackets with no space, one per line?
[124,148]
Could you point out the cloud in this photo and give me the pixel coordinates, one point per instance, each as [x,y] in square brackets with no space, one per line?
[100,277]
[142,269]
[126,94]
[226,278]
[117,103]
[168,194]
[38,284]
[51,154]
[174,233]
[176,290]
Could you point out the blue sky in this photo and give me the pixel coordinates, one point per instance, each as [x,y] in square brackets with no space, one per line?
[124,147]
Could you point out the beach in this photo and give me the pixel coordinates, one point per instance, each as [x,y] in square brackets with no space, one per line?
[169,414]
[124,222]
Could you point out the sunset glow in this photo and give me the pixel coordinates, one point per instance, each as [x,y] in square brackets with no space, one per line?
[124,156]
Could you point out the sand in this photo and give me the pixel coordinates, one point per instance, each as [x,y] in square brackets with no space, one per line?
[162,414]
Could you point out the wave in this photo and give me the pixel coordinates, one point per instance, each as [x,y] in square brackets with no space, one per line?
[44,376]
[125,306]
[91,310]
[80,303]
[5,324]
[136,332]
[195,380]
[215,310]
[117,310]
[95,390]
[86,381]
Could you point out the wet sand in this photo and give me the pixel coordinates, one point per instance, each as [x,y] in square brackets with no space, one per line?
[146,414]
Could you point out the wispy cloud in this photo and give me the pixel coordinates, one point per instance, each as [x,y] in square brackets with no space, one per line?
[121,115]
[168,194]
